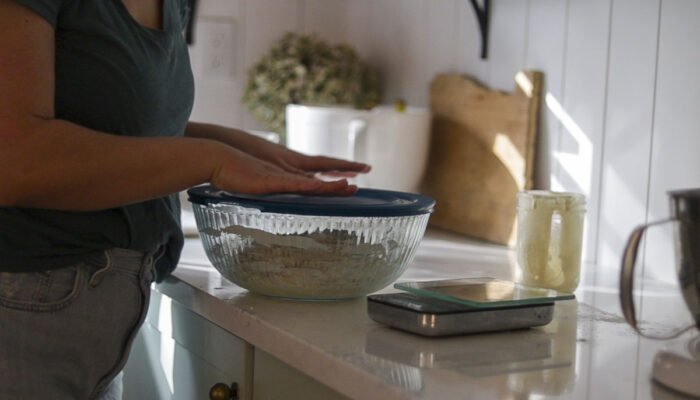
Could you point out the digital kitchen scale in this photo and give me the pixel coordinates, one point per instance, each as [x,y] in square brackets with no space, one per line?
[452,307]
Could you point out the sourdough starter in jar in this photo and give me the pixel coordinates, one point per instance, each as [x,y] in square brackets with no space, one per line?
[550,232]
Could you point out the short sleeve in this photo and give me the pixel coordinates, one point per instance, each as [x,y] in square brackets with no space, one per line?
[48,9]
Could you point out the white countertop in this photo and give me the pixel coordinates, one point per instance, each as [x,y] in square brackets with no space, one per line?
[586,352]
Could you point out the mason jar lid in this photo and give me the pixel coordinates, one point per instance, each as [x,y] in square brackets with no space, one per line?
[364,203]
[550,200]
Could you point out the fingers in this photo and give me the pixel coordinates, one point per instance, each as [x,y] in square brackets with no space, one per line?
[332,165]
[292,183]
[297,184]
[299,163]
[339,174]
[243,173]
[290,168]
[309,186]
[334,188]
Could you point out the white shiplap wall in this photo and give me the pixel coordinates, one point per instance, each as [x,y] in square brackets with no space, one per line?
[623,88]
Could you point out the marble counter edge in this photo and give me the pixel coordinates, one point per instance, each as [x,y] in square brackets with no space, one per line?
[318,364]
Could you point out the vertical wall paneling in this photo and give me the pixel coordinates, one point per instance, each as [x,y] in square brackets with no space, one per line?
[468,43]
[384,41]
[626,146]
[216,62]
[546,49]
[581,109]
[399,41]
[301,14]
[358,30]
[628,124]
[408,42]
[581,112]
[675,162]
[674,154]
[675,145]
[507,42]
[266,22]
[411,68]
[327,18]
[442,38]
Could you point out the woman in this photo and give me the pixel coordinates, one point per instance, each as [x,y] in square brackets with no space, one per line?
[95,97]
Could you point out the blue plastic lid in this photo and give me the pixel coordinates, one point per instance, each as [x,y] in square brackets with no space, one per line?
[364,203]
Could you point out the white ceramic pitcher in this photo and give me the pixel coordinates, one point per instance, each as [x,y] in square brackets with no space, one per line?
[394,142]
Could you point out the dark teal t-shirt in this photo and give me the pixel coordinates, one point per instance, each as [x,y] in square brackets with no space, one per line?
[118,77]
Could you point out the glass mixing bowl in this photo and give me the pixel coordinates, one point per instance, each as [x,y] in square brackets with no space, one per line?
[307,247]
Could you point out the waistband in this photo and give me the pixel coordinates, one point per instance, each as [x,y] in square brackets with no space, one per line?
[130,255]
[132,262]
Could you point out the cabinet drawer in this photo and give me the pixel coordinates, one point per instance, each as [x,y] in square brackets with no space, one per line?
[161,369]
[181,355]
[274,380]
[200,336]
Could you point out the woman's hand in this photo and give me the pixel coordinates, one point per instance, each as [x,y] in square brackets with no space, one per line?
[243,173]
[293,161]
[276,154]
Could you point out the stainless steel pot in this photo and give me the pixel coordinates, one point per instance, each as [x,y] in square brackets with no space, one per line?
[685,212]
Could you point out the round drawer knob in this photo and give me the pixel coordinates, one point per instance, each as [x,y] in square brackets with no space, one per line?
[222,391]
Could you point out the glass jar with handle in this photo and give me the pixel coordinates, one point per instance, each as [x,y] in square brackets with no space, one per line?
[550,232]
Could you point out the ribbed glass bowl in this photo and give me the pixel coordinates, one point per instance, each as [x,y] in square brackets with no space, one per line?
[307,256]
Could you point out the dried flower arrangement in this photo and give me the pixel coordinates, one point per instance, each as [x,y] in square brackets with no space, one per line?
[304,69]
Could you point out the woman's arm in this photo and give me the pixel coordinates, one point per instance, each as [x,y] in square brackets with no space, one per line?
[51,163]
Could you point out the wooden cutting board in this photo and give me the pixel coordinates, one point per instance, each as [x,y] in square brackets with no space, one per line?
[481,153]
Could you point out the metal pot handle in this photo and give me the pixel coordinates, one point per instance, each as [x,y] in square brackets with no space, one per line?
[629,260]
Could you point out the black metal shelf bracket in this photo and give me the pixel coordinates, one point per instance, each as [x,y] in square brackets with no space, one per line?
[482,15]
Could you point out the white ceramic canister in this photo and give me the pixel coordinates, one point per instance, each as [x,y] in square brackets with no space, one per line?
[394,142]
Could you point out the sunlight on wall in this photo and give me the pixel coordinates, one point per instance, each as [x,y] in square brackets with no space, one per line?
[524,83]
[578,166]
[617,224]
[555,184]
[574,172]
[505,150]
